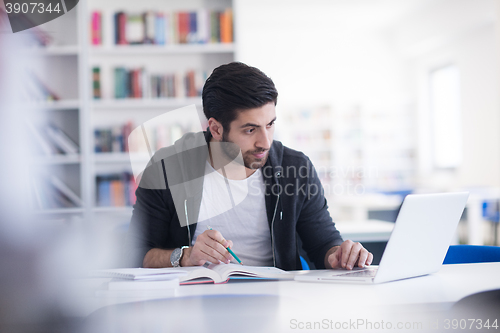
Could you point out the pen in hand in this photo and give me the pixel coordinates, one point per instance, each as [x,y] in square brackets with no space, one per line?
[228,249]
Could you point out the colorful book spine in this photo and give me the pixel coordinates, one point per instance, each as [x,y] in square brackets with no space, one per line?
[192,36]
[226,26]
[149,21]
[96,82]
[214,27]
[203,26]
[116,190]
[137,83]
[175,27]
[121,26]
[115,139]
[96,33]
[160,29]
[183,26]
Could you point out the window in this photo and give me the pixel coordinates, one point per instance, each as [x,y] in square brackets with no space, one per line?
[446,123]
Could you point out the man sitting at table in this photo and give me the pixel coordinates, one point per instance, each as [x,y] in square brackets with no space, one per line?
[234,186]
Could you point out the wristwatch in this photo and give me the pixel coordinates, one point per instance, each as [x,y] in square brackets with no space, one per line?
[175,257]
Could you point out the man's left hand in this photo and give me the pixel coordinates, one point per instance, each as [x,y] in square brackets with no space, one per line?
[349,255]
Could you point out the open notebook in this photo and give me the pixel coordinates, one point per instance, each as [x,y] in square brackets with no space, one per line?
[221,273]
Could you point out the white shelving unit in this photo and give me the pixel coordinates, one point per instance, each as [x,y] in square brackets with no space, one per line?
[59,66]
[109,112]
[66,66]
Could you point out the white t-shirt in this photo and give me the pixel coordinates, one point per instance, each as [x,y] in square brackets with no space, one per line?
[237,209]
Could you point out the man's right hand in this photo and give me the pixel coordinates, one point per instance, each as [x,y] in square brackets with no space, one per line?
[209,246]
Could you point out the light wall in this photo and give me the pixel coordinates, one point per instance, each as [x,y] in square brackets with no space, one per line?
[463,33]
[320,51]
[379,53]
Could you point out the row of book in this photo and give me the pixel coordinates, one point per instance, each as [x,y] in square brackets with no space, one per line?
[51,140]
[115,139]
[49,192]
[112,139]
[161,28]
[137,83]
[116,190]
[36,90]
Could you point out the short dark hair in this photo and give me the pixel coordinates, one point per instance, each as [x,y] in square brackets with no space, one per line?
[236,87]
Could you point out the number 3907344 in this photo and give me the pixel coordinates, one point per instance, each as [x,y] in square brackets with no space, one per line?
[32,7]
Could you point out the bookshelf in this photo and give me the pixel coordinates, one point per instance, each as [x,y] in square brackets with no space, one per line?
[373,147]
[56,117]
[170,58]
[63,101]
[355,149]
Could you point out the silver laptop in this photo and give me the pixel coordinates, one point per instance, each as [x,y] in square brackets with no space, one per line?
[418,244]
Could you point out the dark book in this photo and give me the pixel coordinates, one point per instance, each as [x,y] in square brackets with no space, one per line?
[148,20]
[116,26]
[192,36]
[122,29]
[96,82]
[214,27]
[97,141]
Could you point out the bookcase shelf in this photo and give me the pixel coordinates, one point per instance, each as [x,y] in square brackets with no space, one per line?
[59,50]
[65,78]
[145,50]
[144,103]
[112,158]
[65,104]
[118,210]
[59,211]
[58,159]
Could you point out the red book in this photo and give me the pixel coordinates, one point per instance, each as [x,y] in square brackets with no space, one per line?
[191,88]
[122,25]
[183,22]
[136,85]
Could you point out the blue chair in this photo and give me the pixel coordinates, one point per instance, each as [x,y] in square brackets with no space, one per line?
[491,212]
[468,254]
[305,266]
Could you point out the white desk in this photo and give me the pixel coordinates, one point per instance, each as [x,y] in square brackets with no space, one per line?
[275,306]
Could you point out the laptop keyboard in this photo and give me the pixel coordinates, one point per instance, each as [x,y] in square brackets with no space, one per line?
[363,273]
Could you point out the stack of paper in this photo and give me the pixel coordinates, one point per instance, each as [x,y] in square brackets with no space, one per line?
[140,278]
